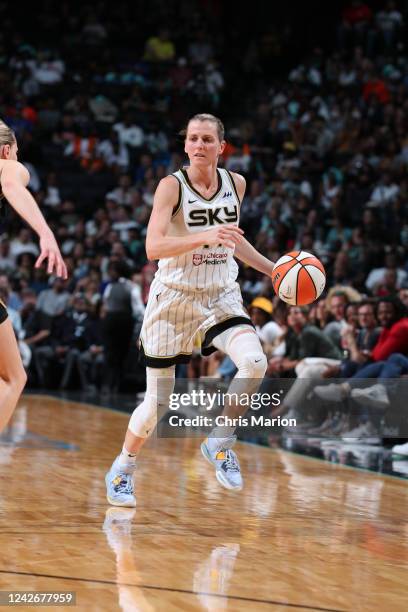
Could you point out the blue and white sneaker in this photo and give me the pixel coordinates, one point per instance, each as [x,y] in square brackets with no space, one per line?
[218,452]
[119,487]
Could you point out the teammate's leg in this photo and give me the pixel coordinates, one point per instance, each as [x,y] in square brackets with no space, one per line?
[242,345]
[12,374]
[119,479]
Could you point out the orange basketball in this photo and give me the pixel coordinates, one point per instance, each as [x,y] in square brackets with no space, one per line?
[298,278]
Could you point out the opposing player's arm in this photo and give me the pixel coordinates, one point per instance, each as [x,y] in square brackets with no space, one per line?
[14,180]
[160,245]
[243,249]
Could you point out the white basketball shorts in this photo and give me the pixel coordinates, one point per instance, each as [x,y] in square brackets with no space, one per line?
[174,319]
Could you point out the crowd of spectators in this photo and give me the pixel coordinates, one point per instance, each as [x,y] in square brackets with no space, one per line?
[97,101]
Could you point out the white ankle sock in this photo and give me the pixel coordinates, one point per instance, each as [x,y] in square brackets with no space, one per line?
[222,431]
[216,438]
[127,460]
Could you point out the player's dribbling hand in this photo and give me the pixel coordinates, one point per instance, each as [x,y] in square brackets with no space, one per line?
[49,250]
[227,235]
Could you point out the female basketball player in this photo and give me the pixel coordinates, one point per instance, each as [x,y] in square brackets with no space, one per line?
[193,231]
[13,180]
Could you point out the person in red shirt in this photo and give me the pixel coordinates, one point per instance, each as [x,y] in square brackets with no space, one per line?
[355,21]
[357,13]
[376,88]
[391,315]
[390,363]
[389,356]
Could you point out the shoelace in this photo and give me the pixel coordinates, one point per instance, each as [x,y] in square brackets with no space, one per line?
[125,485]
[231,462]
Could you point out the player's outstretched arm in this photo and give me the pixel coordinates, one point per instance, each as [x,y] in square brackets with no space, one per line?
[159,245]
[14,179]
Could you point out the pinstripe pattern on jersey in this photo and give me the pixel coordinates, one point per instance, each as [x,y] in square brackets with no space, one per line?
[189,271]
[173,319]
[189,296]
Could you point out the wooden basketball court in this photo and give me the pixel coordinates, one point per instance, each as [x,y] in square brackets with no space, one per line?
[302,535]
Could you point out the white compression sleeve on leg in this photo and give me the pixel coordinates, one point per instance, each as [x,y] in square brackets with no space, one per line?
[242,345]
[159,387]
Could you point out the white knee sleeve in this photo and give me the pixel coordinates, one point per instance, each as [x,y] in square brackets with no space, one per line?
[159,387]
[242,345]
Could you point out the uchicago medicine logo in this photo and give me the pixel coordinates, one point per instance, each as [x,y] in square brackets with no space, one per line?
[212,259]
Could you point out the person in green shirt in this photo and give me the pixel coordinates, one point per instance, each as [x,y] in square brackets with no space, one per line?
[160,48]
[309,354]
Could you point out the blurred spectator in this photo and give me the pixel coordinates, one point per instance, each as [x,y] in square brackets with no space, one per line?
[121,304]
[91,362]
[388,286]
[391,315]
[359,343]
[52,194]
[385,192]
[214,84]
[129,133]
[36,334]
[389,361]
[319,315]
[320,138]
[403,294]
[103,109]
[251,285]
[200,50]
[377,275]
[23,244]
[309,353]
[7,263]
[388,22]
[84,148]
[35,183]
[54,301]
[13,298]
[114,152]
[180,75]
[393,339]
[124,193]
[14,315]
[356,18]
[48,69]
[269,332]
[336,303]
[159,48]
[71,337]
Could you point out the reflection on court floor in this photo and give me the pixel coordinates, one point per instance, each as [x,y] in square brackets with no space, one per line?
[303,534]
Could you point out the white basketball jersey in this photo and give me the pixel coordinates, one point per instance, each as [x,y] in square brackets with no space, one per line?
[207,267]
